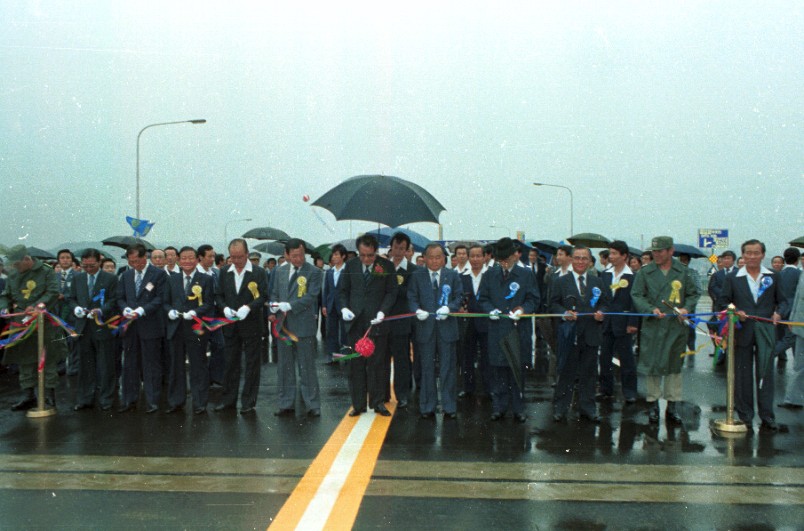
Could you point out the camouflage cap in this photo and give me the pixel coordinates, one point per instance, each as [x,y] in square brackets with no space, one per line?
[17,253]
[660,243]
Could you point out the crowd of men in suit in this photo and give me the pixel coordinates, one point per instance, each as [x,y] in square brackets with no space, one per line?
[442,328]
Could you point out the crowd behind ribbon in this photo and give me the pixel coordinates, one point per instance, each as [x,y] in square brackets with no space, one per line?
[452,325]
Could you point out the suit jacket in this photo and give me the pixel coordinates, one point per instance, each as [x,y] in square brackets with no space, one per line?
[63,308]
[402,326]
[329,290]
[797,308]
[105,283]
[619,302]
[150,299]
[565,297]
[716,282]
[788,280]
[253,293]
[302,320]
[422,296]
[176,298]
[472,303]
[365,299]
[736,291]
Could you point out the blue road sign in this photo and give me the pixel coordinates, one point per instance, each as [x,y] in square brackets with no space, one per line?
[710,238]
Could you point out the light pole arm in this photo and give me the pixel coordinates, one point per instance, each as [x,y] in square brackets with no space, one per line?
[572,211]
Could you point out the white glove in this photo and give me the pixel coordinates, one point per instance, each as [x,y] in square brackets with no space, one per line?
[378,319]
[127,313]
[274,307]
[442,313]
[27,319]
[347,314]
[173,315]
[494,315]
[79,312]
[515,315]
[421,315]
[4,311]
[284,306]
[188,316]
[139,311]
[243,312]
[228,313]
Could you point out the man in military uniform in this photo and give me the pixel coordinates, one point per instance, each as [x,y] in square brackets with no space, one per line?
[30,283]
[664,286]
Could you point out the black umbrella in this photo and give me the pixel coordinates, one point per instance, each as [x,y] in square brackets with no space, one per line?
[548,246]
[124,242]
[267,233]
[510,347]
[277,248]
[798,242]
[36,252]
[694,252]
[381,198]
[634,251]
[349,243]
[589,239]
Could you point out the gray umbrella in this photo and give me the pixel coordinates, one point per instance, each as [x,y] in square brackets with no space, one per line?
[267,233]
[277,248]
[383,199]
[589,239]
[548,246]
[124,242]
[509,344]
[36,252]
[798,242]
[349,243]
[694,252]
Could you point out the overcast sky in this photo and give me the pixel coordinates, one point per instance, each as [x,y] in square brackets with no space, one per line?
[662,120]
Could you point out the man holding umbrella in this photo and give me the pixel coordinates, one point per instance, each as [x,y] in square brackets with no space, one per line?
[507,291]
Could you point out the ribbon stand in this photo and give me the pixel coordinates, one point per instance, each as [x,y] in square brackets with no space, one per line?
[41,410]
[729,426]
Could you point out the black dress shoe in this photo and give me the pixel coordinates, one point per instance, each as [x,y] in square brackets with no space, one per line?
[199,410]
[27,402]
[248,410]
[127,407]
[495,417]
[403,404]
[313,413]
[381,410]
[521,418]
[284,412]
[671,413]
[174,409]
[223,407]
[429,415]
[79,407]
[558,417]
[769,426]
[591,418]
[450,416]
[152,408]
[356,412]
[653,413]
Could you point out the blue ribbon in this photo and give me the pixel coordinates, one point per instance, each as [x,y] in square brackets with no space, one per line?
[445,291]
[514,287]
[101,296]
[595,296]
[764,284]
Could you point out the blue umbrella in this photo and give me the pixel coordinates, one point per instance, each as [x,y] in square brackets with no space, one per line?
[385,234]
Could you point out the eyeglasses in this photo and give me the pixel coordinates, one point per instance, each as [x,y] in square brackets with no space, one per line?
[367,255]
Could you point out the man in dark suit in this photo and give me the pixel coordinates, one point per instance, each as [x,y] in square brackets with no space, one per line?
[66,345]
[336,332]
[476,345]
[578,338]
[618,330]
[189,294]
[241,294]
[217,363]
[92,300]
[754,290]
[367,293]
[788,278]
[294,292]
[399,340]
[508,290]
[140,296]
[433,293]
[718,279]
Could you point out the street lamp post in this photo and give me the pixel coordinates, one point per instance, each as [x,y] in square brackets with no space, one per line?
[200,121]
[572,230]
[226,230]
[501,227]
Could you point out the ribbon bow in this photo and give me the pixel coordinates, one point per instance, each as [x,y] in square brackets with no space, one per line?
[764,284]
[29,287]
[514,287]
[302,282]
[252,287]
[445,291]
[197,290]
[100,297]
[675,295]
[595,296]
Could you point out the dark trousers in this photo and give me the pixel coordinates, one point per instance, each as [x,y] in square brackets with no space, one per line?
[745,358]
[579,362]
[505,392]
[444,351]
[96,367]
[476,347]
[236,347]
[366,374]
[399,348]
[336,334]
[622,347]
[186,345]
[136,349]
[217,357]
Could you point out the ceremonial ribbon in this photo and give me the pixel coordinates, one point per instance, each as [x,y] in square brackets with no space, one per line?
[675,295]
[101,296]
[764,284]
[252,287]
[514,287]
[29,287]
[302,282]
[197,290]
[623,283]
[281,332]
[19,332]
[445,291]
[363,347]
[595,296]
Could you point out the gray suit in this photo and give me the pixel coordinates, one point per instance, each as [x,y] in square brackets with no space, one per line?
[795,389]
[302,321]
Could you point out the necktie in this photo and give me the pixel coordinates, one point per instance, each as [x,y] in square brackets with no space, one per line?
[505,274]
[63,279]
[435,280]
[137,283]
[294,276]
[366,274]
[91,283]
[187,279]
[582,284]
